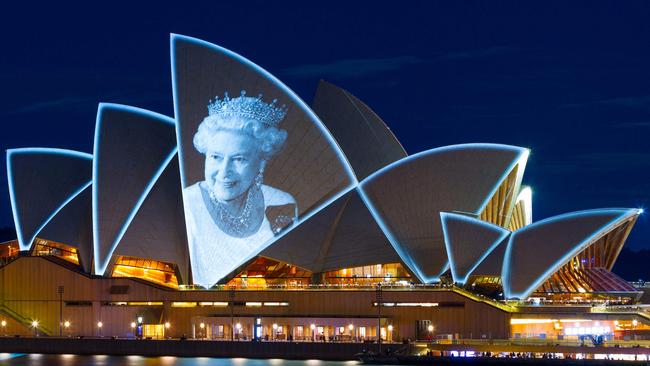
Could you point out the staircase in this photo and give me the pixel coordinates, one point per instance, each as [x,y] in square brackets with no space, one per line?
[494,303]
[27,323]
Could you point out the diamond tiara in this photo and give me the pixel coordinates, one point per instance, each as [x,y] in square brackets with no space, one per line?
[252,108]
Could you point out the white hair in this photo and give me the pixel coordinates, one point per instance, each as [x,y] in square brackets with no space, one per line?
[271,139]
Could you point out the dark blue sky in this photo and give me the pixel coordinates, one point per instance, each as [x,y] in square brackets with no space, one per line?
[569,81]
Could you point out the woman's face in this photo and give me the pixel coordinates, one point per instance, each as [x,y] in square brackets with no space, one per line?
[231,164]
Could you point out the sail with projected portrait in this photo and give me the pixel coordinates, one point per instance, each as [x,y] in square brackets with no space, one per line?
[255,161]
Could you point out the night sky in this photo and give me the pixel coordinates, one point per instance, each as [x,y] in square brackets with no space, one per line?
[570,82]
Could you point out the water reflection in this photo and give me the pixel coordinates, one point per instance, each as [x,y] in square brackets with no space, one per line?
[7,356]
[99,360]
[16,359]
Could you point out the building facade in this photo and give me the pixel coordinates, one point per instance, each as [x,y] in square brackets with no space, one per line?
[250,215]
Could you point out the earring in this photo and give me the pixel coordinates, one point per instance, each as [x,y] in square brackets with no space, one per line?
[259,178]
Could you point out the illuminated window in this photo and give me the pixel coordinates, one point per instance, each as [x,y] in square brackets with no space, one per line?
[154,331]
[276,303]
[368,275]
[132,303]
[49,248]
[409,304]
[215,303]
[8,252]
[182,304]
[217,331]
[264,273]
[161,273]
[145,303]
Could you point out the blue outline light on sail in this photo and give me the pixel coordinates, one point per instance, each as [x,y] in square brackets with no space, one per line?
[22,243]
[406,258]
[100,265]
[503,233]
[293,97]
[624,213]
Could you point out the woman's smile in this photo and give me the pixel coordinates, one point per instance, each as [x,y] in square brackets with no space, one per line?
[227,184]
[231,163]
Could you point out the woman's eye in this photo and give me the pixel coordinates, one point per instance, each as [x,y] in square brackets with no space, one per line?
[215,157]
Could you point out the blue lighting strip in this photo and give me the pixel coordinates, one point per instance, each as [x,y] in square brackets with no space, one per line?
[102,263]
[623,214]
[26,244]
[303,219]
[404,255]
[505,268]
[503,233]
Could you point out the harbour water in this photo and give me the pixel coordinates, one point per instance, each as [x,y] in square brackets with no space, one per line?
[18,359]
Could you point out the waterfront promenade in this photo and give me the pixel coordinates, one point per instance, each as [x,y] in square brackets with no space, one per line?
[294,350]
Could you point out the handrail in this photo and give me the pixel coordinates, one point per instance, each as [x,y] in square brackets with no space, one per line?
[494,303]
[23,320]
[6,260]
[384,285]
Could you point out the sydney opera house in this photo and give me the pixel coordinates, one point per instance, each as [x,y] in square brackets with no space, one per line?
[253,215]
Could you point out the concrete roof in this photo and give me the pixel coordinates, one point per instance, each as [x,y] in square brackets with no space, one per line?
[407,197]
[469,241]
[366,140]
[158,229]
[538,250]
[342,235]
[73,226]
[132,147]
[41,182]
